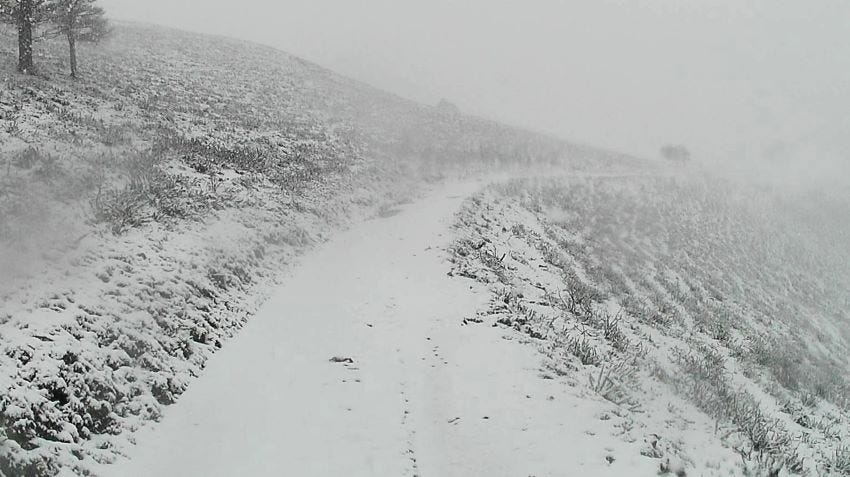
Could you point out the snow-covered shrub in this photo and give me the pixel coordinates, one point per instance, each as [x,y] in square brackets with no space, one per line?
[838,463]
[584,350]
[613,382]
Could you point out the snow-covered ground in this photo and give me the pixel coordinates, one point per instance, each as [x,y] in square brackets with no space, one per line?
[145,206]
[669,296]
[362,364]
[609,324]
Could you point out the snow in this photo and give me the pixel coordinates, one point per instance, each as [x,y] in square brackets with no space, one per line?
[114,296]
[368,359]
[511,240]
[424,395]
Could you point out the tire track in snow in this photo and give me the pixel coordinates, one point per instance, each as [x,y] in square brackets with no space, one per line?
[434,398]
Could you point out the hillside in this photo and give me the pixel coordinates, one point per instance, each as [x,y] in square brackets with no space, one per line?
[515,305]
[146,209]
[712,317]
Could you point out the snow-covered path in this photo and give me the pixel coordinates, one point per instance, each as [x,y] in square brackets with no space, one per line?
[423,396]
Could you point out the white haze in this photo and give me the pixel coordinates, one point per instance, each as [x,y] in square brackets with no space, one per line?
[740,82]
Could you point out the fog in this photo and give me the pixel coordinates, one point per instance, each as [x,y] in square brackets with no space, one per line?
[434,291]
[739,82]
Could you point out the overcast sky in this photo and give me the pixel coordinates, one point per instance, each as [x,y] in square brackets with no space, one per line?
[734,79]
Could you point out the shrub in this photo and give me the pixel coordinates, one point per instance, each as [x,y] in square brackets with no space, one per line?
[838,463]
[121,209]
[27,158]
[147,194]
[584,351]
[612,382]
[578,298]
[610,326]
[676,153]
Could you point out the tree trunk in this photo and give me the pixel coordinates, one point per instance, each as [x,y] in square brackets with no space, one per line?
[72,50]
[24,20]
[72,38]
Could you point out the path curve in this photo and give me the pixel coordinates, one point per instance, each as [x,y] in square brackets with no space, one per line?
[423,396]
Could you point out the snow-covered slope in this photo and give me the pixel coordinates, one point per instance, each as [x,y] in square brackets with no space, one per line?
[575,326]
[364,362]
[146,208]
[712,316]
[606,323]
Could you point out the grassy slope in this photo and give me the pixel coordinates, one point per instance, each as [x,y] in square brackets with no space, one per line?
[732,297]
[144,208]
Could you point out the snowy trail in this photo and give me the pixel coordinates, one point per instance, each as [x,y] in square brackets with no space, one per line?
[424,396]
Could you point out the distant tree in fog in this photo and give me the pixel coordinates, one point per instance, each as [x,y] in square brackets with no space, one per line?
[676,153]
[447,107]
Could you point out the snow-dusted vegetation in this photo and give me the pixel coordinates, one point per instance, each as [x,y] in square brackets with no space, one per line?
[153,202]
[146,206]
[682,301]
